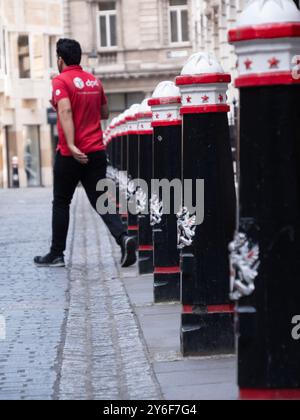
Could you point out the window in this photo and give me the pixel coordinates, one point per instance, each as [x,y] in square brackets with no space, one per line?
[107,24]
[3,62]
[38,64]
[179,21]
[32,159]
[11,152]
[24,57]
[119,102]
[52,52]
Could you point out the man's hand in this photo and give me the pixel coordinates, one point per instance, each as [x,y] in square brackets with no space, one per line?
[78,155]
[66,119]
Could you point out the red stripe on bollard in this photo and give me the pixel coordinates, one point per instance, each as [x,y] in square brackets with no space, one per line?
[145,248]
[203,79]
[187,309]
[205,109]
[220,309]
[166,123]
[270,31]
[167,270]
[135,228]
[145,132]
[164,101]
[267,79]
[270,394]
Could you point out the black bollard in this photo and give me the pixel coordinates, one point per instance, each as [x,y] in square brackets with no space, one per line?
[132,160]
[207,319]
[167,124]
[265,253]
[15,172]
[124,145]
[118,144]
[145,132]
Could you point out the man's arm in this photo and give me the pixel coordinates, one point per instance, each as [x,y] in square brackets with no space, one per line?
[104,112]
[65,115]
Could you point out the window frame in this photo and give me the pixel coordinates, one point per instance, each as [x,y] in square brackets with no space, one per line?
[3,51]
[107,14]
[179,9]
[52,58]
[30,50]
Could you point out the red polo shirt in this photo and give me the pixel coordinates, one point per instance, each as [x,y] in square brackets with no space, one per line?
[87,96]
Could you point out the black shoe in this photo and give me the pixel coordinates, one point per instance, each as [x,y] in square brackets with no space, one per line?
[128,247]
[50,260]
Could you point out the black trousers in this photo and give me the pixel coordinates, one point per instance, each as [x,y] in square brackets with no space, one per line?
[67,174]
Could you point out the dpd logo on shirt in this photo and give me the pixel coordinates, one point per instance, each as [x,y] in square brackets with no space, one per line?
[79,83]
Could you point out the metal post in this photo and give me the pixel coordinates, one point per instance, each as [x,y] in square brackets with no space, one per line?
[265,253]
[145,132]
[124,142]
[167,124]
[207,319]
[132,160]
[15,172]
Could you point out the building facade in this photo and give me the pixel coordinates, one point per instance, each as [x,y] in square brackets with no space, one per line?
[133,45]
[28,33]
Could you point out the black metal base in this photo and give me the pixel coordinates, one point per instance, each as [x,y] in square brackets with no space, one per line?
[166,288]
[125,222]
[207,334]
[145,262]
[270,216]
[133,234]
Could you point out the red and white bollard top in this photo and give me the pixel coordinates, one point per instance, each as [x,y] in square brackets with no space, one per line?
[123,125]
[203,84]
[113,129]
[104,136]
[267,42]
[165,104]
[145,119]
[107,136]
[119,126]
[131,119]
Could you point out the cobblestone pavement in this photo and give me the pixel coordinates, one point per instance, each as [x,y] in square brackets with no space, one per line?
[70,333]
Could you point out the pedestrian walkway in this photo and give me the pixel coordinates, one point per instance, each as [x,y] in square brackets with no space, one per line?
[88,331]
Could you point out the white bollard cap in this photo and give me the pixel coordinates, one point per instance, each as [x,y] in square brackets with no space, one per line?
[261,12]
[132,112]
[202,63]
[166,89]
[145,108]
[15,160]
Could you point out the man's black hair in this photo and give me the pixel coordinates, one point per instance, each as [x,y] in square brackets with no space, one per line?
[70,51]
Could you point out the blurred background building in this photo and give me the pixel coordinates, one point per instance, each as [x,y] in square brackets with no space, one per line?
[28,33]
[131,45]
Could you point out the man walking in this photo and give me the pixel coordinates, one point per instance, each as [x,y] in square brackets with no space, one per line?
[81,105]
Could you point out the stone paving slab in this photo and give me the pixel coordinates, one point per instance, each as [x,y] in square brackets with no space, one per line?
[88,331]
[71,333]
[179,378]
